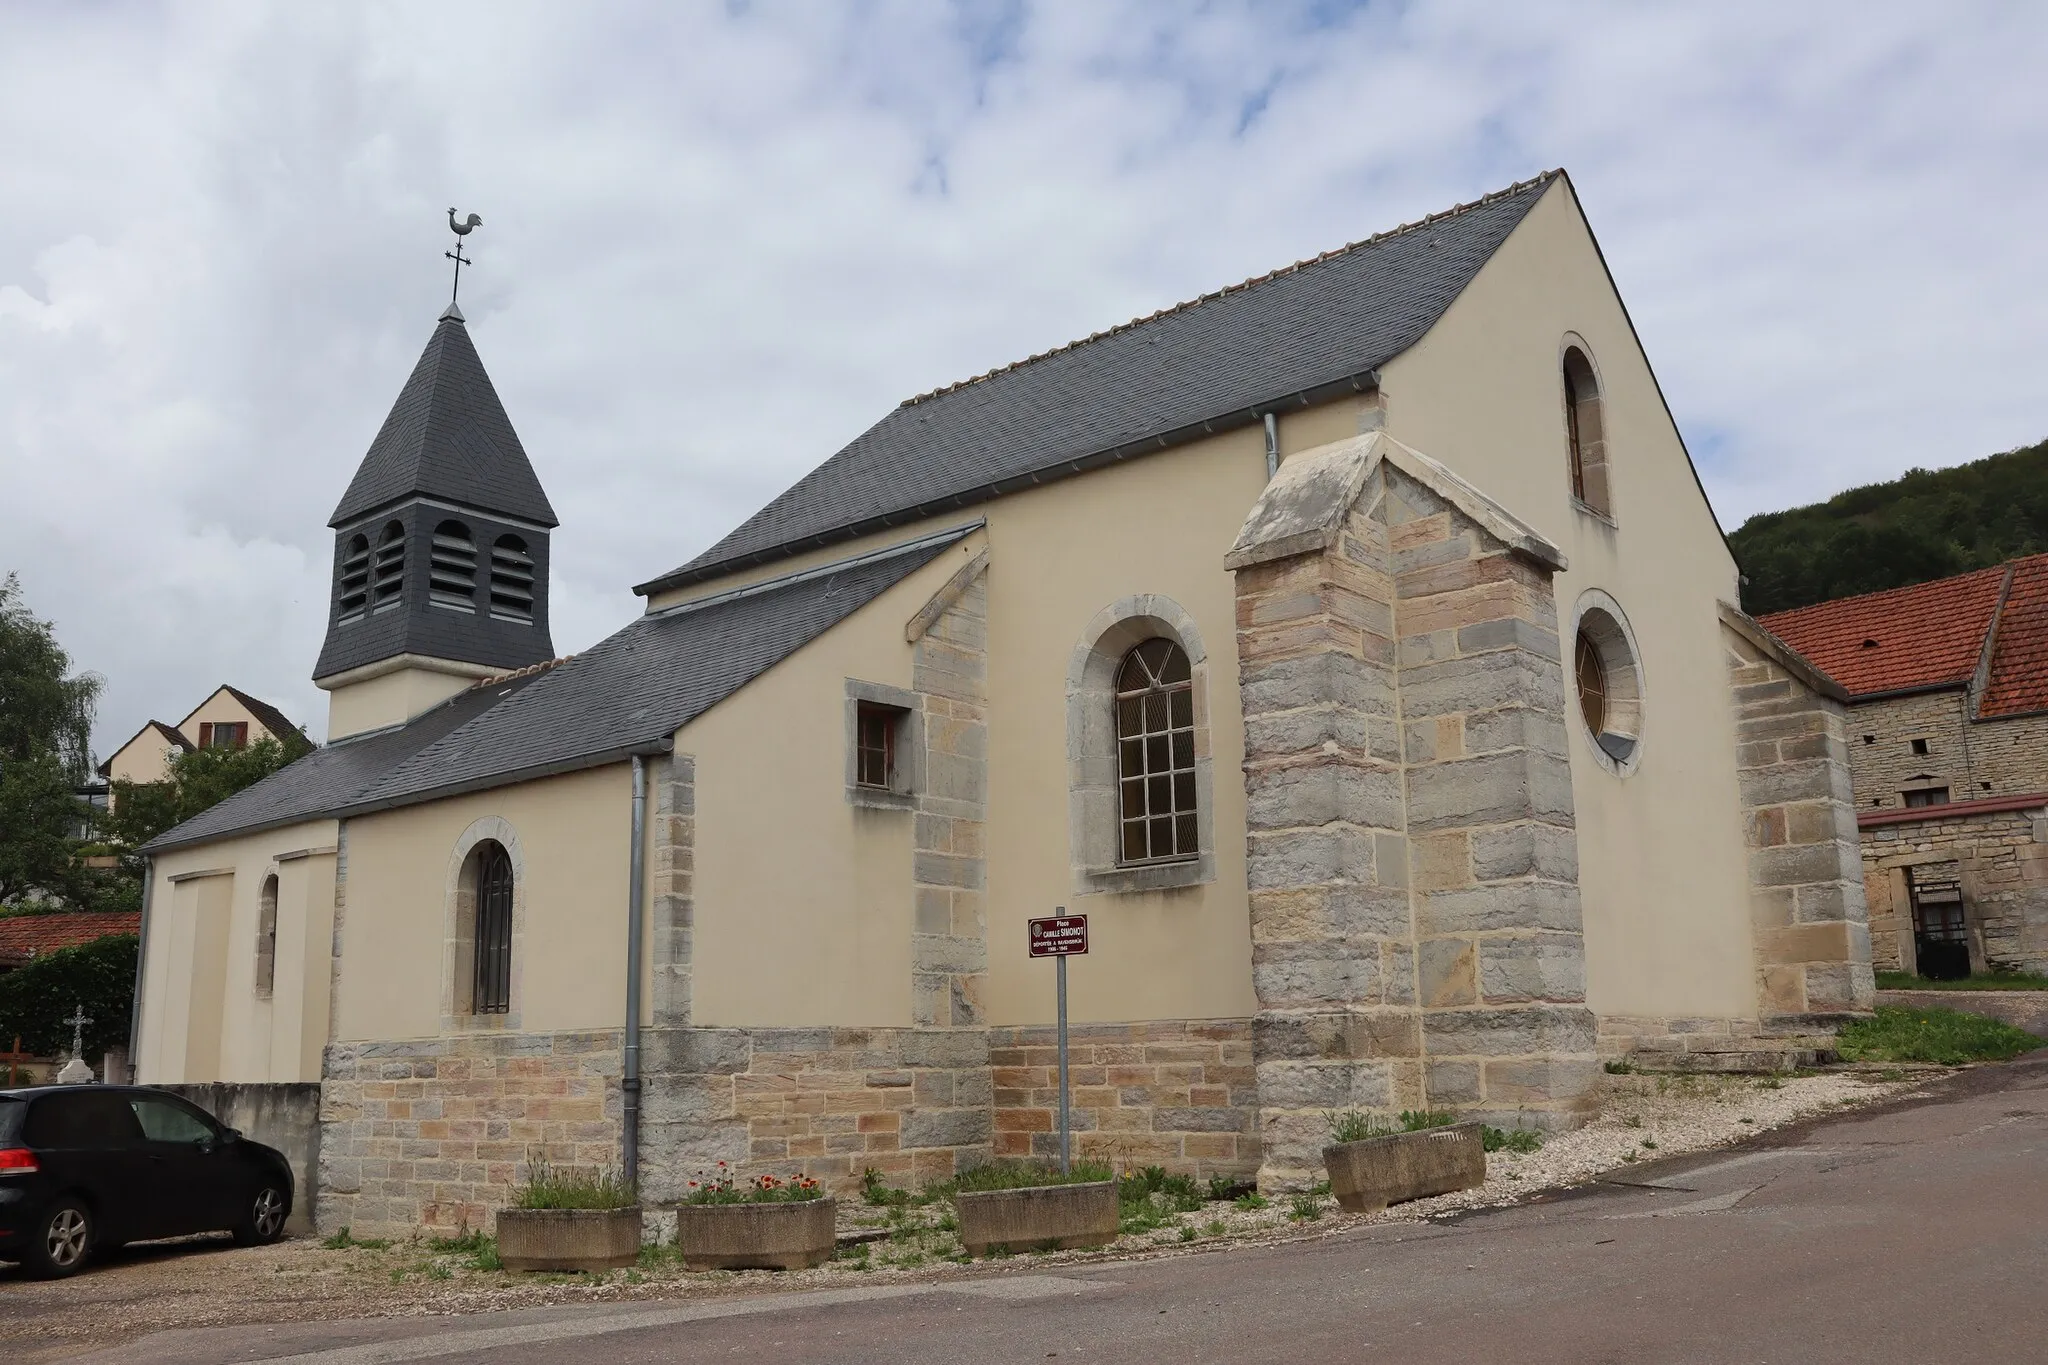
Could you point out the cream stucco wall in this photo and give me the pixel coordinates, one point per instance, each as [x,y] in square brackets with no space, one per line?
[803,899]
[202,1019]
[145,758]
[569,837]
[1661,855]
[393,697]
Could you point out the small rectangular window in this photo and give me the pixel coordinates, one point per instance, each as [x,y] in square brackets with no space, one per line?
[1919,746]
[1927,796]
[223,734]
[875,745]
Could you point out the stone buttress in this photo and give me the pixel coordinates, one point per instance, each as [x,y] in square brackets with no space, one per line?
[1411,850]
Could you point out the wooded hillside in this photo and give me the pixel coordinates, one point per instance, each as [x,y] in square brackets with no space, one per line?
[1925,524]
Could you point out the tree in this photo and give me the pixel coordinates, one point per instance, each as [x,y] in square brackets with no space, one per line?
[46,715]
[199,778]
[36,999]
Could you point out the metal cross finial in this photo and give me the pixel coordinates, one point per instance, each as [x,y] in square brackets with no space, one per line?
[462,228]
[78,1020]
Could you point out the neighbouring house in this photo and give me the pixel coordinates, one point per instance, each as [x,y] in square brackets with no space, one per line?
[1354,646]
[24,938]
[229,718]
[1948,748]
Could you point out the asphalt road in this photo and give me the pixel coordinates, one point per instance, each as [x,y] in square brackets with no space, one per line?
[1914,1232]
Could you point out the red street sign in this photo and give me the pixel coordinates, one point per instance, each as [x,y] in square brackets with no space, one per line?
[1059,936]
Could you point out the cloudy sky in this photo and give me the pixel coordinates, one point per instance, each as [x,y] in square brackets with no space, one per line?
[720,241]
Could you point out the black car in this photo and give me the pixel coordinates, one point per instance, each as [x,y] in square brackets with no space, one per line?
[92,1166]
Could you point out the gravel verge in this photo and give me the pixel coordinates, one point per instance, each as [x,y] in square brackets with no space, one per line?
[199,1284]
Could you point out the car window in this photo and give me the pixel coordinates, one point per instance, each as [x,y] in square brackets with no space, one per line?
[163,1121]
[11,1110]
[89,1118]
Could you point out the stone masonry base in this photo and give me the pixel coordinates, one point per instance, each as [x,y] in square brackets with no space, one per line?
[1177,1094]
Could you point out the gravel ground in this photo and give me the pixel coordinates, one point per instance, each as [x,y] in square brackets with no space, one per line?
[207,1283]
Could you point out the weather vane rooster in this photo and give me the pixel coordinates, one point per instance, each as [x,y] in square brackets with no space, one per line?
[461,227]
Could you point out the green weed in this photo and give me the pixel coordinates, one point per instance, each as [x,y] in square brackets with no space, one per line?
[1519,1140]
[1945,1037]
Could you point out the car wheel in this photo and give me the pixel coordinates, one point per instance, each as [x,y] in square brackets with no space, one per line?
[60,1242]
[263,1219]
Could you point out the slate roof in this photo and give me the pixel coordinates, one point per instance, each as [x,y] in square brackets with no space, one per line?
[628,694]
[23,937]
[1924,636]
[448,437]
[1317,327]
[1933,635]
[331,778]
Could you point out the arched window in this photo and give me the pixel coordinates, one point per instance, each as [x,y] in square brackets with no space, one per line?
[1608,676]
[266,937]
[491,983]
[355,579]
[452,568]
[1155,741]
[1585,432]
[387,574]
[511,580]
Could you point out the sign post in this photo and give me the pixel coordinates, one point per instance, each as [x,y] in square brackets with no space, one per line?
[1060,937]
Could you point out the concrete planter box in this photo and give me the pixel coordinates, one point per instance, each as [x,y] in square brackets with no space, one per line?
[786,1236]
[1367,1176]
[1038,1218]
[569,1239]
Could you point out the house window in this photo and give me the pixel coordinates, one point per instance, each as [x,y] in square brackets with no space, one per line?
[355,579]
[1919,746]
[266,937]
[451,567]
[511,580]
[1155,734]
[875,728]
[387,571]
[1927,796]
[491,988]
[1585,432]
[223,734]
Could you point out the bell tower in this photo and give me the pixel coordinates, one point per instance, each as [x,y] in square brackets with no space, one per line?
[440,549]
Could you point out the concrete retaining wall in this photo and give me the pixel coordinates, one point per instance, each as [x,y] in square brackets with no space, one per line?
[281,1115]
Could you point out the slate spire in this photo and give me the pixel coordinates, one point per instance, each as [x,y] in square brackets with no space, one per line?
[441,541]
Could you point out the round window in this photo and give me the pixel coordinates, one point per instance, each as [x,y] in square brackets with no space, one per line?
[1609,682]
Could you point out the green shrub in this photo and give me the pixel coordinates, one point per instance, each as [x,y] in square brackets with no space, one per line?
[1997,979]
[1523,1140]
[1353,1125]
[572,1187]
[1024,1175]
[1945,1037]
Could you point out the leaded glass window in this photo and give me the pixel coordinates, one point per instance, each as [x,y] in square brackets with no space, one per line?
[1155,733]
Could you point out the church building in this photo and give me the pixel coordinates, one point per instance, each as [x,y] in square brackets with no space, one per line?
[1354,646]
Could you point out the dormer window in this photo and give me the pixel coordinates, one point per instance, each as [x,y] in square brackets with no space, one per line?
[511,580]
[452,580]
[387,572]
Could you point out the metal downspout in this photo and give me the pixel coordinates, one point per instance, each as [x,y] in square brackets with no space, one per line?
[1272,445]
[141,961]
[629,1084]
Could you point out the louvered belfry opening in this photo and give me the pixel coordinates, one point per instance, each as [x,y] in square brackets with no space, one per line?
[354,600]
[441,549]
[1155,733]
[511,580]
[492,988]
[452,577]
[387,572]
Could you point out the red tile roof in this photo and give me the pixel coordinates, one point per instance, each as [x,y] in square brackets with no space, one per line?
[1927,635]
[26,936]
[2019,661]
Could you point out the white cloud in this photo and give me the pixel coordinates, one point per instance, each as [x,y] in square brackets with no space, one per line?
[719,242]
